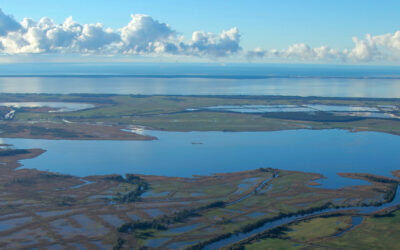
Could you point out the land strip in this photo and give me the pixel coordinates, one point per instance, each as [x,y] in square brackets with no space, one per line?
[192,113]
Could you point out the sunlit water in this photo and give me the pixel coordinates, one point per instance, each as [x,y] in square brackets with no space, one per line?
[326,152]
[58,106]
[336,87]
[174,154]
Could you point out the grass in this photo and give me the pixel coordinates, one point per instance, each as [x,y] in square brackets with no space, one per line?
[318,228]
[374,232]
[273,244]
[169,112]
[318,233]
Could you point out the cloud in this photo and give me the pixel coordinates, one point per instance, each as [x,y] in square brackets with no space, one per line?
[226,43]
[46,36]
[143,35]
[377,48]
[7,23]
[370,49]
[299,51]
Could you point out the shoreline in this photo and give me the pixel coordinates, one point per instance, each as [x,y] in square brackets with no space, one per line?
[140,137]
[172,113]
[90,195]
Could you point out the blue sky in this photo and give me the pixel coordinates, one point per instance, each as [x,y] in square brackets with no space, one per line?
[265,25]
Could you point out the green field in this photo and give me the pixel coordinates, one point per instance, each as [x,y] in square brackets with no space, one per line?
[374,232]
[166,212]
[171,113]
[320,233]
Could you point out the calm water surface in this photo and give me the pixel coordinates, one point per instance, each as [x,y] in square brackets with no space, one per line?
[337,87]
[320,151]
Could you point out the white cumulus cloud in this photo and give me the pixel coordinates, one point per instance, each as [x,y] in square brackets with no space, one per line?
[224,44]
[370,49]
[45,36]
[143,35]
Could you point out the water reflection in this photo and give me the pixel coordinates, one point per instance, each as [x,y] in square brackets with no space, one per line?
[58,106]
[294,108]
[325,151]
[341,110]
[204,86]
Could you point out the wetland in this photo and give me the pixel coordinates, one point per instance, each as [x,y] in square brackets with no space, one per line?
[115,171]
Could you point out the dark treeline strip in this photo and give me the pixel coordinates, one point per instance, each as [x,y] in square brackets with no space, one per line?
[119,244]
[272,232]
[34,179]
[373,178]
[57,132]
[277,232]
[135,195]
[251,226]
[54,176]
[389,196]
[162,223]
[12,129]
[386,213]
[12,152]
[38,131]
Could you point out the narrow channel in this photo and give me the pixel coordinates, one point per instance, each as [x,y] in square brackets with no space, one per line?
[258,188]
[269,225]
[355,221]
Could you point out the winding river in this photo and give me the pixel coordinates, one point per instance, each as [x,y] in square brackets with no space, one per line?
[269,225]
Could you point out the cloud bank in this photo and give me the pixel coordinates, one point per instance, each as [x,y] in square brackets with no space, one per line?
[378,48]
[144,35]
[141,36]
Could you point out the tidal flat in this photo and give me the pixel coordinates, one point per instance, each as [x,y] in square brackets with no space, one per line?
[191,113]
[136,196]
[114,210]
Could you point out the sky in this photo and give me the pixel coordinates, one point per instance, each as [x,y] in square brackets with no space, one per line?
[284,31]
